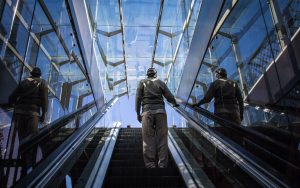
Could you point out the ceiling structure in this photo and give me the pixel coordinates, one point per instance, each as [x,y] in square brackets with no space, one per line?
[133,35]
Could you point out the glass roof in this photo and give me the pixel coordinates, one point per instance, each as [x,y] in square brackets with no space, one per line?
[151,31]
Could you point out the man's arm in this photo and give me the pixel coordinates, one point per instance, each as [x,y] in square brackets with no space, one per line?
[44,99]
[240,100]
[138,100]
[208,95]
[168,95]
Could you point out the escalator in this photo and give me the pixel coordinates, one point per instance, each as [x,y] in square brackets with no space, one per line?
[273,148]
[47,144]
[126,168]
[215,154]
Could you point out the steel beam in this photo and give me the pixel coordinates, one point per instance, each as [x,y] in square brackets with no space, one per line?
[123,41]
[206,22]
[157,30]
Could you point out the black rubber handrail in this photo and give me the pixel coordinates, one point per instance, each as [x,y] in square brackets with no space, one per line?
[34,139]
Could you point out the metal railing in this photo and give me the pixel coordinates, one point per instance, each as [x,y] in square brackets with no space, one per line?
[44,173]
[34,139]
[252,165]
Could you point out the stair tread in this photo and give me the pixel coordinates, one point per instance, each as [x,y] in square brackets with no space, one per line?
[127,169]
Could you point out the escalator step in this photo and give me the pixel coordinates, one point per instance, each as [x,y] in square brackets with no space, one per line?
[126,168]
[145,181]
[141,171]
[127,141]
[128,150]
[127,156]
[127,163]
[128,145]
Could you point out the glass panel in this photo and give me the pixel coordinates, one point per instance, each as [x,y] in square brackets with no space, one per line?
[26,7]
[53,80]
[292,15]
[19,37]
[53,47]
[177,69]
[143,10]
[112,47]
[174,15]
[107,15]
[6,21]
[13,64]
[40,21]
[62,21]
[44,64]
[164,48]
[194,17]
[70,72]
[139,41]
[32,52]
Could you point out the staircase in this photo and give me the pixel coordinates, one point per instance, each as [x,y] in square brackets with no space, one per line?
[126,168]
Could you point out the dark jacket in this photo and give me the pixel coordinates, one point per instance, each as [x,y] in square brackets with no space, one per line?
[29,96]
[227,94]
[150,93]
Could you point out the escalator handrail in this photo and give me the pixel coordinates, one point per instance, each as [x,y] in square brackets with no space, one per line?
[255,165]
[235,127]
[48,168]
[245,131]
[34,139]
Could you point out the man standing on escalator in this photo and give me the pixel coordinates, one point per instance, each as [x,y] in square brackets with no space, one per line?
[229,103]
[149,95]
[28,98]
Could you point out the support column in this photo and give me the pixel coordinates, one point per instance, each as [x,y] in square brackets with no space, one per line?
[239,64]
[206,22]
[278,22]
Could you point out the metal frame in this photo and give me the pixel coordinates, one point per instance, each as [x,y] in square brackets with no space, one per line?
[36,38]
[224,18]
[56,30]
[103,55]
[123,42]
[185,168]
[211,157]
[99,171]
[78,44]
[157,31]
[198,46]
[185,26]
[29,142]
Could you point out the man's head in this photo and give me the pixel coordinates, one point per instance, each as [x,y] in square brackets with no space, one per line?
[221,73]
[151,72]
[36,72]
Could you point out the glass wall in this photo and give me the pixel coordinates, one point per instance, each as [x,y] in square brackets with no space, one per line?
[40,33]
[252,37]
[248,42]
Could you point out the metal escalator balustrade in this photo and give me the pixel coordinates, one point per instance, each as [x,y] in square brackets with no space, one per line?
[52,165]
[229,140]
[42,143]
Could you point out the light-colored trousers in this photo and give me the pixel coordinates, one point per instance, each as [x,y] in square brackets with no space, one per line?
[155,139]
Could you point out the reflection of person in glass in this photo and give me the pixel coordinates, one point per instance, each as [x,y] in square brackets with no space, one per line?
[229,103]
[150,94]
[30,95]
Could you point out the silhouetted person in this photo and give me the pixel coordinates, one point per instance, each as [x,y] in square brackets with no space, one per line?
[229,103]
[150,94]
[29,98]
